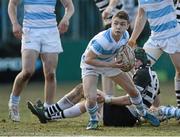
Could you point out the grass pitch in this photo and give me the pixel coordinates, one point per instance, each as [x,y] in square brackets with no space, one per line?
[30,126]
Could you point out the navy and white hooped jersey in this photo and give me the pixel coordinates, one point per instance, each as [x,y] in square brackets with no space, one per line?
[104,46]
[102,5]
[39,14]
[178,10]
[161,15]
[147,83]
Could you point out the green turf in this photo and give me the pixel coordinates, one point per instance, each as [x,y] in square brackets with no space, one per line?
[30,125]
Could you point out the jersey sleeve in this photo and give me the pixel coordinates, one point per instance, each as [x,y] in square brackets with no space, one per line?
[96,47]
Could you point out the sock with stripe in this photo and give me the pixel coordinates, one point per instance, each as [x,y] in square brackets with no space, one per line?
[92,111]
[14,100]
[67,113]
[177,90]
[58,107]
[170,111]
[137,101]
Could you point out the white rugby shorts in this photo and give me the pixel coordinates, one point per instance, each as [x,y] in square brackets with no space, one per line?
[43,40]
[107,72]
[155,48]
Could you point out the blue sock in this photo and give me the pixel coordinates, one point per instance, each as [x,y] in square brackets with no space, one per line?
[92,113]
[137,101]
[14,99]
[170,111]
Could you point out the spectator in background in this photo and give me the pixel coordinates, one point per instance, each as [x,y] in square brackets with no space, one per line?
[165,34]
[40,36]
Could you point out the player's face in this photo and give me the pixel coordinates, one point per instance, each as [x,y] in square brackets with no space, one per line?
[119,26]
[138,63]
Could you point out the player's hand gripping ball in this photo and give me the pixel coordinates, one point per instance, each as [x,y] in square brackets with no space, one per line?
[126,56]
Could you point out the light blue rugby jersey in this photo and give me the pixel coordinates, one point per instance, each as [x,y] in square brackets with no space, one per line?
[104,46]
[39,14]
[161,15]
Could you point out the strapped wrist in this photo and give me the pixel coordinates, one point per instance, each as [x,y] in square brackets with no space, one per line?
[108,99]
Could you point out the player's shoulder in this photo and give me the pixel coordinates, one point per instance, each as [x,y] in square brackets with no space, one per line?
[104,37]
[126,35]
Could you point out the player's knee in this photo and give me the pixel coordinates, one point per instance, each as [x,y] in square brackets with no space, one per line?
[27,74]
[50,76]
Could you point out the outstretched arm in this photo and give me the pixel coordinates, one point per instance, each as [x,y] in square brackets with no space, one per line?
[69,10]
[120,100]
[139,25]
[108,10]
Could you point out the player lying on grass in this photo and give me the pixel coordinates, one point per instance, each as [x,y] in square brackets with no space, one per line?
[146,80]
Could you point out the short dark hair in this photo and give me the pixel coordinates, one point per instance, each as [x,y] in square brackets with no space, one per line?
[122,15]
[141,55]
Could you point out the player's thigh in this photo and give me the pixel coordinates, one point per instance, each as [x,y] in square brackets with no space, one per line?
[90,86]
[29,58]
[176,60]
[51,42]
[124,80]
[49,61]
[107,85]
[153,54]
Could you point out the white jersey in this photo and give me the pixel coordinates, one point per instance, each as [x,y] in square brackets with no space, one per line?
[104,46]
[39,14]
[161,15]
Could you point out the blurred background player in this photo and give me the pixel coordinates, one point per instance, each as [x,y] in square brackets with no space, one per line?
[72,105]
[39,25]
[165,34]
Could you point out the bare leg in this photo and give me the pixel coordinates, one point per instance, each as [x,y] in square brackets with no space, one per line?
[49,67]
[176,61]
[107,86]
[28,66]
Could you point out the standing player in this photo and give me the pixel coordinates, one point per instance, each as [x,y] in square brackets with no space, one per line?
[165,33]
[98,58]
[39,25]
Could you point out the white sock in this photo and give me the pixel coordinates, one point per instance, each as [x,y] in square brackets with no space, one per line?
[137,101]
[14,100]
[65,103]
[72,112]
[46,105]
